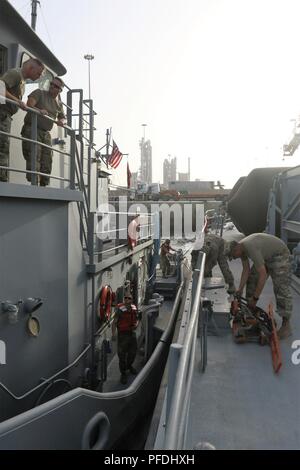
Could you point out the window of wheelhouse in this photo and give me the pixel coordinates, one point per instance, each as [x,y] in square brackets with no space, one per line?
[3,59]
[42,83]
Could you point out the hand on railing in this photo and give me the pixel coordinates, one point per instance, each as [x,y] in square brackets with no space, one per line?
[23,106]
[231,290]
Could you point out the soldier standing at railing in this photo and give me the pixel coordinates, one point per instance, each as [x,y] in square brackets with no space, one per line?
[14,81]
[47,103]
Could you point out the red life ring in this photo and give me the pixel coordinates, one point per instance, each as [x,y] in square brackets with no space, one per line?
[133,231]
[106,299]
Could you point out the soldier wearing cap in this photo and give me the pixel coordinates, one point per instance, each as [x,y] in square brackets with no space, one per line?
[14,81]
[47,103]
[270,257]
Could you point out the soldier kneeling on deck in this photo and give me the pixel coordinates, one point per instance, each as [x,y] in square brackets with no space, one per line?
[270,257]
[126,322]
[213,247]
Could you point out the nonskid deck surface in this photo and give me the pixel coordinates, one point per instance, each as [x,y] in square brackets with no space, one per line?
[239,402]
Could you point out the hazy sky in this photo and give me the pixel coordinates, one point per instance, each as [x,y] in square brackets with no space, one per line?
[214,80]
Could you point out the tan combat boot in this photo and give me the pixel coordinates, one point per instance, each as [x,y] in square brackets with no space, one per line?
[285,330]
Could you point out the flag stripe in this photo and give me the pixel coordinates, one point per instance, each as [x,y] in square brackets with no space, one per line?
[115,157]
[117,162]
[114,163]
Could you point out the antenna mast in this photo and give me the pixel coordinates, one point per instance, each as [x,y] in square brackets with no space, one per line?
[34,4]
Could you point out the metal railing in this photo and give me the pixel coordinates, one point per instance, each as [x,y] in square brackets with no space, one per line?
[80,177]
[78,162]
[48,380]
[115,230]
[283,217]
[35,144]
[182,359]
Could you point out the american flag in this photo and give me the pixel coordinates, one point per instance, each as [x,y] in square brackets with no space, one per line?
[116,156]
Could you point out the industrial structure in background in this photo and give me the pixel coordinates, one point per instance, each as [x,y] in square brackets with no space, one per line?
[176,186]
[185,176]
[169,170]
[146,160]
[186,186]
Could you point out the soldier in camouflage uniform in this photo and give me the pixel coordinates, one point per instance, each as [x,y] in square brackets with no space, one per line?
[270,257]
[213,247]
[14,81]
[164,259]
[46,102]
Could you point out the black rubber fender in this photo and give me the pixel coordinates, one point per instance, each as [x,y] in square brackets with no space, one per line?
[248,201]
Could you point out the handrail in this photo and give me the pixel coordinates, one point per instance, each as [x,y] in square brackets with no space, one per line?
[45,381]
[136,214]
[17,170]
[35,111]
[34,143]
[76,170]
[176,424]
[25,139]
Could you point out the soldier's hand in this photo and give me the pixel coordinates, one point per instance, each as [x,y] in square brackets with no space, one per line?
[238,294]
[60,122]
[231,290]
[22,105]
[252,303]
[44,112]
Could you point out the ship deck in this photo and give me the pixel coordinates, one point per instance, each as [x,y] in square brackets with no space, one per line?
[239,402]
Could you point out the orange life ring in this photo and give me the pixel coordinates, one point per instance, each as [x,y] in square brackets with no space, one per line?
[106,299]
[133,231]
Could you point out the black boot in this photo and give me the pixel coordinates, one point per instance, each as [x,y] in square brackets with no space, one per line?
[123,379]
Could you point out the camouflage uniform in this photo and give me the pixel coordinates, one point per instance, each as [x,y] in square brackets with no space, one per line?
[278,268]
[5,126]
[165,265]
[44,155]
[15,84]
[164,260]
[44,101]
[214,248]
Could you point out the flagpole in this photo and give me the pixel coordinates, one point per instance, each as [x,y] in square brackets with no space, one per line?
[127,170]
[108,137]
